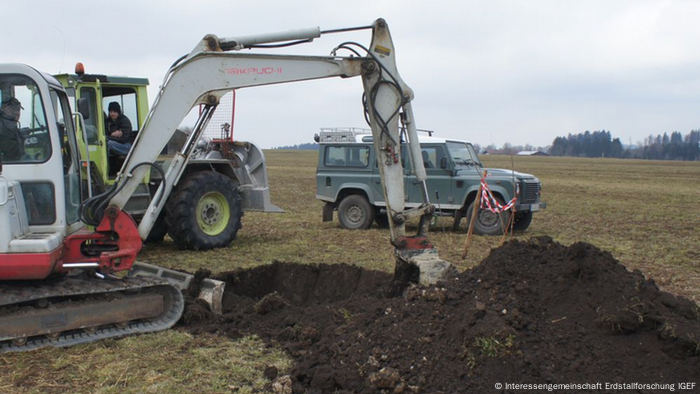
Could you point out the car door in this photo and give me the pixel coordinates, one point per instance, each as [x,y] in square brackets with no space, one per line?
[439,180]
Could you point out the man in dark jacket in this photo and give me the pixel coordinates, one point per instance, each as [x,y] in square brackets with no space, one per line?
[118,131]
[11,140]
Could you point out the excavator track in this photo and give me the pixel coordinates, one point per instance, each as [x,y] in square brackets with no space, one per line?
[77,309]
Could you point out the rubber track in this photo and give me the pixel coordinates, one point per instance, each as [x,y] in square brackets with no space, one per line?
[21,292]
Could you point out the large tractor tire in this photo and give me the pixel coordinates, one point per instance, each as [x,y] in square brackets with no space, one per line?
[204,211]
[488,223]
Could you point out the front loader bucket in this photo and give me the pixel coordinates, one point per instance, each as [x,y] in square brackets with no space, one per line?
[211,291]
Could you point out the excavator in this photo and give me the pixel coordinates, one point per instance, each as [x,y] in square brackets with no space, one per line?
[68,268]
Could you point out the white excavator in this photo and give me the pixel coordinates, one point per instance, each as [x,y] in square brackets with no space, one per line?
[63,283]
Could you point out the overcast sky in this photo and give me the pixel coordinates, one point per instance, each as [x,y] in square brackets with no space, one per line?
[486,71]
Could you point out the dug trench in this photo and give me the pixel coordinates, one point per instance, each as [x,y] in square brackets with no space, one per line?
[533,312]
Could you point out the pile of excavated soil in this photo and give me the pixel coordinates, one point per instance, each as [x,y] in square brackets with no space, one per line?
[532,312]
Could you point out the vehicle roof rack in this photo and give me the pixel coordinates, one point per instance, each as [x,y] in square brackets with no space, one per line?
[349,134]
[340,134]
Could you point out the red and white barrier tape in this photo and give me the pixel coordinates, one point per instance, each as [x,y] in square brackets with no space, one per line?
[488,201]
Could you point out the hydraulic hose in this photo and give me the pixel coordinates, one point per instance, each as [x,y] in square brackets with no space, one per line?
[92,210]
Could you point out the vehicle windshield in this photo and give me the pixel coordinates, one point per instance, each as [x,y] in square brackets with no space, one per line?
[24,136]
[463,154]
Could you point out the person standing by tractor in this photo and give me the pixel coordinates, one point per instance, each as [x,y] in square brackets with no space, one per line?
[118,131]
[11,140]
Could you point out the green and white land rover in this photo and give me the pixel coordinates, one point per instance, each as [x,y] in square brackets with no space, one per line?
[348,181]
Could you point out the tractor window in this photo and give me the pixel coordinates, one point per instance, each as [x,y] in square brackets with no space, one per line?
[91,123]
[24,137]
[347,156]
[126,97]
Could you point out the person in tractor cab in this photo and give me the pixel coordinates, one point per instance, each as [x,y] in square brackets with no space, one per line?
[11,140]
[118,131]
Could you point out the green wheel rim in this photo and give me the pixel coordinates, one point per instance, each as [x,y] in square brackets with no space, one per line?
[213,213]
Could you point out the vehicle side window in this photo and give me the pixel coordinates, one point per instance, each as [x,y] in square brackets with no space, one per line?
[24,135]
[127,101]
[429,157]
[347,156]
[432,155]
[91,125]
[39,200]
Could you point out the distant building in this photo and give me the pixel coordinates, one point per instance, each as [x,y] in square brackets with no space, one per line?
[532,153]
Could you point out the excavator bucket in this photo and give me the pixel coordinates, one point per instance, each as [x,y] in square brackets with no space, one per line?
[210,291]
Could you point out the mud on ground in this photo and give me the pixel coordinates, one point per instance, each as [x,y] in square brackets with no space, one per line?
[531,312]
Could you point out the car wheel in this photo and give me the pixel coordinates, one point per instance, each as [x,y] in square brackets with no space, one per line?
[522,221]
[355,213]
[488,223]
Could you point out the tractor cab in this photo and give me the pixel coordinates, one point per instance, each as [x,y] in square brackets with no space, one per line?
[99,91]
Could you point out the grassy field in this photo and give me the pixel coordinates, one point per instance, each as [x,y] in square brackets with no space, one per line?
[645,213]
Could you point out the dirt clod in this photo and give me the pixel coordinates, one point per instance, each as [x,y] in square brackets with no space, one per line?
[269,303]
[386,378]
[271,372]
[532,312]
[282,385]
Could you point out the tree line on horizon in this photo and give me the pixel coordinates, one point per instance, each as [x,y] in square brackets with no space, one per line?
[602,144]
[304,146]
[597,144]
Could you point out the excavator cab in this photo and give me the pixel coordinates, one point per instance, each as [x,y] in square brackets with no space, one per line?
[41,175]
[43,239]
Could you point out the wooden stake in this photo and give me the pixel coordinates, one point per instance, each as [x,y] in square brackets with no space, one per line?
[509,227]
[475,211]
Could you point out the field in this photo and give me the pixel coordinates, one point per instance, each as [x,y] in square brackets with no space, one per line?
[645,213]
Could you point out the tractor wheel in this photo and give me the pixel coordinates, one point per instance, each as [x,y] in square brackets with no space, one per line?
[522,221]
[355,213]
[204,211]
[488,223]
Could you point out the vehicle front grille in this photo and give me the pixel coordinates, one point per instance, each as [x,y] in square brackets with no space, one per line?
[530,192]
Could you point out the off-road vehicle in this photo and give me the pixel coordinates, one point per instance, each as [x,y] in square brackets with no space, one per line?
[348,181]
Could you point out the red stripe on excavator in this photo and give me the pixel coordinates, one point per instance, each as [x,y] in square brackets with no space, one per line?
[28,266]
[118,230]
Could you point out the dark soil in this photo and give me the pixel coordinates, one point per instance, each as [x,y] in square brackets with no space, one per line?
[532,312]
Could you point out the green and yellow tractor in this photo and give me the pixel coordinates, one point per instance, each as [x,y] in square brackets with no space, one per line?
[223,178]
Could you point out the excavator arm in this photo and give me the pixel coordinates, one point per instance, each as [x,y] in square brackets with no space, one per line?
[202,78]
[216,66]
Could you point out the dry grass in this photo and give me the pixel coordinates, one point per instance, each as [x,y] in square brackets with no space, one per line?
[645,213]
